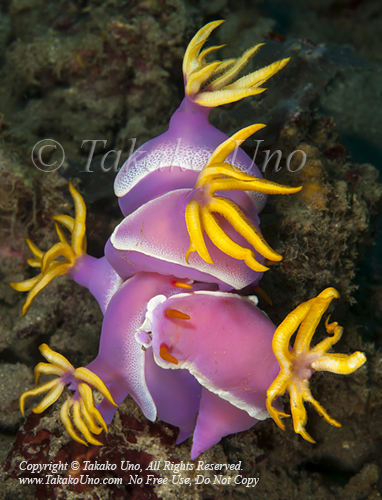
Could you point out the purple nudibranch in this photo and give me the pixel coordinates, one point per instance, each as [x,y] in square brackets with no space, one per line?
[175,335]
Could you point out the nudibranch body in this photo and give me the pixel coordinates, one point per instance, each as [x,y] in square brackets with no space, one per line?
[156,236]
[180,172]
[240,358]
[174,335]
[174,159]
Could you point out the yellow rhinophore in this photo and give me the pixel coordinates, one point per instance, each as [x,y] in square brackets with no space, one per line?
[220,176]
[50,267]
[298,364]
[213,84]
[85,415]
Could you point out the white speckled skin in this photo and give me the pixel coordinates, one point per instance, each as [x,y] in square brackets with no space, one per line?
[174,159]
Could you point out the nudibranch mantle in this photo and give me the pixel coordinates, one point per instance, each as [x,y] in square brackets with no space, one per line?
[249,353]
[174,336]
[154,236]
[187,146]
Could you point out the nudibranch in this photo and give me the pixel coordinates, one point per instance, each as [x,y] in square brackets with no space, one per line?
[241,356]
[174,159]
[190,237]
[162,234]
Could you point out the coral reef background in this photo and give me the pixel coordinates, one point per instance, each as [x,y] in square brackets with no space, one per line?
[111,70]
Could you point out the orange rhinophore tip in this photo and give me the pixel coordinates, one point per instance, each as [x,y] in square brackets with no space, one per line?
[182,284]
[164,354]
[174,313]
